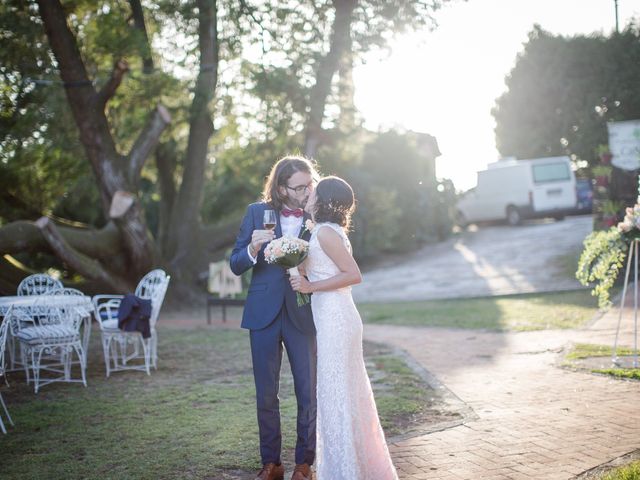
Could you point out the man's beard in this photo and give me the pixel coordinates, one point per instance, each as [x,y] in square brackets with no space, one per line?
[295,203]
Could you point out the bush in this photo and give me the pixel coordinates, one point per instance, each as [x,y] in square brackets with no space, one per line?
[601,262]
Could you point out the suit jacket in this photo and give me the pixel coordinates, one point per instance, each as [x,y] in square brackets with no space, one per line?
[134,314]
[270,288]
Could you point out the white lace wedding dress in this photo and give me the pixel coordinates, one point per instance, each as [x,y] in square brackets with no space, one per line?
[350,441]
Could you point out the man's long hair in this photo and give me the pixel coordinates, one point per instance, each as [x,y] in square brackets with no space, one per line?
[280,174]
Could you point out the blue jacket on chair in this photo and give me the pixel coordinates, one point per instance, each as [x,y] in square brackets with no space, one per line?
[270,287]
[134,314]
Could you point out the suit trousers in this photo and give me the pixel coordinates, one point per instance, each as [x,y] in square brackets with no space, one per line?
[266,352]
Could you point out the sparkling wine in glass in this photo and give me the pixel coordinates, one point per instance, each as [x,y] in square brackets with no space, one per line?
[269,219]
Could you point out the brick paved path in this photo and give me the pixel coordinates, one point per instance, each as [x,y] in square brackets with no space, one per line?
[530,418]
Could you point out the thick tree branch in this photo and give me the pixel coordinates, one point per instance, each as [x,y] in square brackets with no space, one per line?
[109,89]
[24,236]
[81,263]
[220,235]
[140,25]
[72,70]
[146,141]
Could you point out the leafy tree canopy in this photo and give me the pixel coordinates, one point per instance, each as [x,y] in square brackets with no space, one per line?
[563,90]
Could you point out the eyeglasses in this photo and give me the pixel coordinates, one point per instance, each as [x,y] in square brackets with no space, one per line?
[301,188]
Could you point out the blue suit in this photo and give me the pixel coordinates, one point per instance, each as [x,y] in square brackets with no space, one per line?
[274,319]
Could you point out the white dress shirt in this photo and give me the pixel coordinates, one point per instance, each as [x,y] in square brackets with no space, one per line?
[290,226]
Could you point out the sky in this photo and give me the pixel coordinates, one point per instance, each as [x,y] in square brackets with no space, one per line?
[445,82]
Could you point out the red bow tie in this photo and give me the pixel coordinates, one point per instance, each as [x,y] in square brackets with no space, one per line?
[296,212]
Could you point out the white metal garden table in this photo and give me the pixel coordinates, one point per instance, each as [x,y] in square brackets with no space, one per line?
[83,303]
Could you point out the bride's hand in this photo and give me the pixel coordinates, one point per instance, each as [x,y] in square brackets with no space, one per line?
[302,270]
[300,284]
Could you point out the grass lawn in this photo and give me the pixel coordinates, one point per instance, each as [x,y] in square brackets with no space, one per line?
[536,311]
[576,358]
[628,472]
[194,418]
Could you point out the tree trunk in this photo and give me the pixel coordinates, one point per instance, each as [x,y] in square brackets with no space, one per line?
[347,120]
[340,42]
[108,165]
[125,210]
[140,25]
[114,172]
[166,164]
[185,217]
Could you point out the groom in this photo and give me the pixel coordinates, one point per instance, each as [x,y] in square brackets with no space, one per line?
[274,319]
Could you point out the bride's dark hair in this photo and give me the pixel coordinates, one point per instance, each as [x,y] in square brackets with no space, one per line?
[335,202]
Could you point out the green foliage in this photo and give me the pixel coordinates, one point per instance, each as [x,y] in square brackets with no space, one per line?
[562,92]
[601,262]
[269,53]
[611,207]
[627,472]
[399,206]
[601,171]
[38,149]
[43,166]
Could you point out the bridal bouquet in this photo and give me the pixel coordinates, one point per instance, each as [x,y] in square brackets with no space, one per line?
[288,252]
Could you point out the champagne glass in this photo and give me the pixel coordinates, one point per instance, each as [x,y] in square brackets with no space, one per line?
[269,219]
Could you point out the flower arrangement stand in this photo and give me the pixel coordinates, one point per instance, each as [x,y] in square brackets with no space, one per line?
[632,254]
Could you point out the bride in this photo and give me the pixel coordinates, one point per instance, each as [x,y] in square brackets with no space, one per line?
[350,441]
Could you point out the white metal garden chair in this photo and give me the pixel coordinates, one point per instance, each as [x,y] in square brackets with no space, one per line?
[129,350]
[86,318]
[48,337]
[4,330]
[38,284]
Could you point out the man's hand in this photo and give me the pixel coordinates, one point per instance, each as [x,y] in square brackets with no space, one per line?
[259,238]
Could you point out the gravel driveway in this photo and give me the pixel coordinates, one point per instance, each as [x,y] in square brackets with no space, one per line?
[491,260]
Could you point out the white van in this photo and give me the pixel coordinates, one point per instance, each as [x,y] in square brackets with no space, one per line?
[516,189]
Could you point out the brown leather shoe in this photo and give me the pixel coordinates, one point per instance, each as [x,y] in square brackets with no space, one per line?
[301,472]
[271,471]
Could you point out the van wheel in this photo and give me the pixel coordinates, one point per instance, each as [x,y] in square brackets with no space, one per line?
[513,216]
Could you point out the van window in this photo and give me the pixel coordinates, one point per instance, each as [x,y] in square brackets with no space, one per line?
[551,172]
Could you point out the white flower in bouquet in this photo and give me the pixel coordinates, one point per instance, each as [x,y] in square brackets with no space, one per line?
[626,226]
[288,252]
